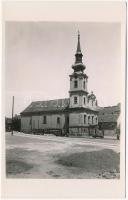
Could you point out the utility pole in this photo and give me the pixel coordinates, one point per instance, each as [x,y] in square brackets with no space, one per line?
[12,112]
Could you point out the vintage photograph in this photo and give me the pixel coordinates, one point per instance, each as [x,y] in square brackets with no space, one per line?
[63,100]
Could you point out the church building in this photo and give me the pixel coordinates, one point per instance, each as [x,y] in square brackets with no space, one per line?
[76,115]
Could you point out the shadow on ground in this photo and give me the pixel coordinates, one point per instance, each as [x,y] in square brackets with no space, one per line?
[105,163]
[16,167]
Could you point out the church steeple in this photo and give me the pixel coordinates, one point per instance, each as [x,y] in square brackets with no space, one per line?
[78,54]
[78,44]
[78,65]
[78,80]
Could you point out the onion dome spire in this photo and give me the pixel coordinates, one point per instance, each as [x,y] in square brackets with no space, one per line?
[78,66]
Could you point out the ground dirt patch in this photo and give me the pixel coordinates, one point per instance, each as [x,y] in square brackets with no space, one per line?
[16,167]
[94,161]
[16,161]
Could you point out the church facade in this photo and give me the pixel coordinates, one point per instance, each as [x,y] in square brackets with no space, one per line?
[76,115]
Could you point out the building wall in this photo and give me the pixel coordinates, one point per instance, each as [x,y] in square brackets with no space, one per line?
[80,101]
[107,125]
[110,133]
[80,84]
[79,127]
[25,124]
[77,119]
[37,122]
[72,101]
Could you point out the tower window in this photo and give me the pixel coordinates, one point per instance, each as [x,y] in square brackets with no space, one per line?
[75,100]
[88,119]
[58,120]
[92,119]
[96,120]
[45,120]
[75,84]
[84,84]
[84,100]
[84,119]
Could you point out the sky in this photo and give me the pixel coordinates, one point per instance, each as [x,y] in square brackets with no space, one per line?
[39,56]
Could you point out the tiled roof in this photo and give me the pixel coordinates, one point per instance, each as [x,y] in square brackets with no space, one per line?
[50,105]
[109,114]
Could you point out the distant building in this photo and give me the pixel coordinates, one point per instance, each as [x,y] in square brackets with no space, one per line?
[15,124]
[8,124]
[76,115]
[109,118]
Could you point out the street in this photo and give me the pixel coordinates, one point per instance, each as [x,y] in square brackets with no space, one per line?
[49,156]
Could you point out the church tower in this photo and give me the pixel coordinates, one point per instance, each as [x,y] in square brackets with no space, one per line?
[78,81]
[83,117]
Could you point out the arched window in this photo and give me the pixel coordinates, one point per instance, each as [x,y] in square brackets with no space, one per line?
[58,120]
[84,84]
[88,119]
[45,120]
[92,119]
[84,100]
[75,84]
[75,100]
[96,120]
[84,119]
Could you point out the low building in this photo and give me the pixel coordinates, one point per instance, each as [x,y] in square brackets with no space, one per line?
[76,115]
[17,123]
[8,124]
[108,119]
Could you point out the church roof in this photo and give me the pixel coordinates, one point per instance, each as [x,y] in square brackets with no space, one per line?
[51,106]
[45,106]
[109,114]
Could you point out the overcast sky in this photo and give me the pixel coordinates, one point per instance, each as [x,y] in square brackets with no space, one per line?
[39,56]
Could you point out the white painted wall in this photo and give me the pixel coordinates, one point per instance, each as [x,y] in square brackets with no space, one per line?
[75,119]
[80,84]
[72,101]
